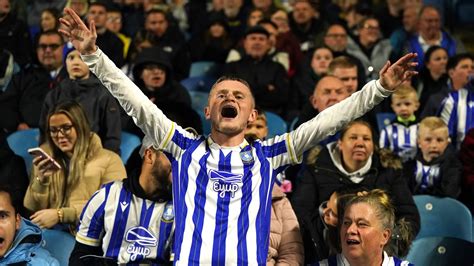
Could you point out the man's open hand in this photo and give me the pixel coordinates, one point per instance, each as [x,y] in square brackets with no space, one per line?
[391,76]
[81,37]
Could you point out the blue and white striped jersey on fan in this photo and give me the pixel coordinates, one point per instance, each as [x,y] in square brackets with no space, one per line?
[400,139]
[457,111]
[222,198]
[131,229]
[340,260]
[426,175]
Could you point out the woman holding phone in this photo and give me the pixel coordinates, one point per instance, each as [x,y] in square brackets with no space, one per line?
[57,195]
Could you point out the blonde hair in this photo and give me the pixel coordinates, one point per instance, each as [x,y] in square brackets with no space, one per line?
[380,201]
[405,91]
[432,123]
[75,113]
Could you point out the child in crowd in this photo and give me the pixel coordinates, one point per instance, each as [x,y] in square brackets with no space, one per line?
[436,170]
[400,135]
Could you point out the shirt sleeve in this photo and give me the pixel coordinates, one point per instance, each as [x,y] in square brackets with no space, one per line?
[146,115]
[331,120]
[91,223]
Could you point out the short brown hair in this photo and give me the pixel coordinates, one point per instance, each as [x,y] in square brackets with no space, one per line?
[341,62]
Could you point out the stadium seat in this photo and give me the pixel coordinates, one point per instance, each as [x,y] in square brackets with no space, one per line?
[384,119]
[60,244]
[199,100]
[433,251]
[464,11]
[21,141]
[203,84]
[203,68]
[276,124]
[129,142]
[443,217]
[206,124]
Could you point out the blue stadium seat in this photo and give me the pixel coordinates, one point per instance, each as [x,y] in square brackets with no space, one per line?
[198,83]
[443,217]
[60,244]
[199,100]
[206,124]
[21,141]
[129,142]
[276,125]
[384,119]
[463,12]
[203,68]
[432,251]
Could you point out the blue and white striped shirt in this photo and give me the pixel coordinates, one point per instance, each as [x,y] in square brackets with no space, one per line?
[222,195]
[457,111]
[400,139]
[340,260]
[130,228]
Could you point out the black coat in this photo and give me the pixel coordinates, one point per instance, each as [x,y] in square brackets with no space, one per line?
[268,81]
[323,178]
[15,37]
[23,99]
[450,175]
[100,106]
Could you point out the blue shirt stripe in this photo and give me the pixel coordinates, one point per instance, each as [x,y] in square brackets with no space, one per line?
[243,221]
[119,229]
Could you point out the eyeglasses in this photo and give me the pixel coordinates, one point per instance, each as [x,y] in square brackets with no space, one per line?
[53,46]
[370,27]
[65,130]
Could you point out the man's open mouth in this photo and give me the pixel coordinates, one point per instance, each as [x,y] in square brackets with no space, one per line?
[1,240]
[229,111]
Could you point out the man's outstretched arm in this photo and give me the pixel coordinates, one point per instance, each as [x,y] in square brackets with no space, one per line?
[146,115]
[337,116]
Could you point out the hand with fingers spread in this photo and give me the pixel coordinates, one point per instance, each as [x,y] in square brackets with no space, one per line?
[393,75]
[81,37]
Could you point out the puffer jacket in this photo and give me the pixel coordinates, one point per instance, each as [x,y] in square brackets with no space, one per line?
[26,248]
[102,166]
[286,245]
[322,177]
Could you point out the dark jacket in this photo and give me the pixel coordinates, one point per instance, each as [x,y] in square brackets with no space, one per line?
[112,46]
[321,178]
[449,180]
[268,81]
[427,86]
[12,170]
[15,38]
[23,99]
[100,106]
[433,104]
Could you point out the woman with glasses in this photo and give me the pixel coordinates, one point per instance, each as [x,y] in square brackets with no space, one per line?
[55,196]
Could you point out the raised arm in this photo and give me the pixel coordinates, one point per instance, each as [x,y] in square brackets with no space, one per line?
[335,117]
[146,115]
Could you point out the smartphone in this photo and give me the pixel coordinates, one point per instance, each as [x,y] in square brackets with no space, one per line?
[35,152]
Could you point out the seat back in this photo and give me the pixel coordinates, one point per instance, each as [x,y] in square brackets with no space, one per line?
[384,119]
[60,244]
[129,142]
[444,217]
[276,124]
[21,141]
[203,68]
[198,83]
[431,251]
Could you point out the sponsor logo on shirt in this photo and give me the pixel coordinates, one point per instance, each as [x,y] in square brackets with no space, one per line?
[141,239]
[225,182]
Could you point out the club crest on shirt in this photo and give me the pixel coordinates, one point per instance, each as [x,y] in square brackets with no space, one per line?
[225,182]
[141,239]
[168,213]
[246,157]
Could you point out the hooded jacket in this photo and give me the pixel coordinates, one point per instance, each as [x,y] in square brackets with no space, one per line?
[26,248]
[323,176]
